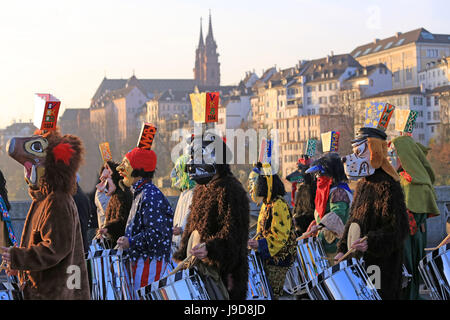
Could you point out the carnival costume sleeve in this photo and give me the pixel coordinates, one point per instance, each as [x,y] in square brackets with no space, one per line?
[154,215]
[336,218]
[379,210]
[53,238]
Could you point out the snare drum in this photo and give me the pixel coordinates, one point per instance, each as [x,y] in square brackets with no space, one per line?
[10,289]
[435,271]
[309,262]
[258,285]
[184,285]
[110,271]
[344,281]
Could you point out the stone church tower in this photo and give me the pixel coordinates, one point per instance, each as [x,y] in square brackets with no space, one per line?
[207,66]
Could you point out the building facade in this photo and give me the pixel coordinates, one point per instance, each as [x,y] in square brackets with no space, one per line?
[416,98]
[405,54]
[294,133]
[436,74]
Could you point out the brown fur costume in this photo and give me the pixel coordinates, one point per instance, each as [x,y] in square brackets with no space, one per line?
[51,239]
[220,213]
[379,209]
[118,208]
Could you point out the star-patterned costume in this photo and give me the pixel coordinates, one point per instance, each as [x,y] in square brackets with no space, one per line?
[149,232]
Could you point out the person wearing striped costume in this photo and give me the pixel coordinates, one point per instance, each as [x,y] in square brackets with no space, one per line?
[148,233]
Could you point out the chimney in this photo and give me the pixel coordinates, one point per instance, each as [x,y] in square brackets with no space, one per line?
[376,40]
[398,34]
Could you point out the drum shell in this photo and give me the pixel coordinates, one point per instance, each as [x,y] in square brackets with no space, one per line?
[258,285]
[344,281]
[309,262]
[183,285]
[10,289]
[110,271]
[435,271]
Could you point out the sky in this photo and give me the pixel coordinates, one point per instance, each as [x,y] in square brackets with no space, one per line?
[67,47]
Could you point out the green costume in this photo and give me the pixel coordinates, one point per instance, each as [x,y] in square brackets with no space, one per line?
[338,203]
[416,179]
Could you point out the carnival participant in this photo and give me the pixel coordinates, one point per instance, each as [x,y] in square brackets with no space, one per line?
[378,211]
[332,201]
[119,205]
[180,181]
[275,238]
[304,196]
[297,177]
[220,216]
[51,248]
[148,232]
[7,237]
[416,179]
[103,193]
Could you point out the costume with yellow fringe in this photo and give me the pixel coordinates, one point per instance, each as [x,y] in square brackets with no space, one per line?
[275,229]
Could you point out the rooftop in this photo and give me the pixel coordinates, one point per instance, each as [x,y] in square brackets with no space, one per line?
[397,92]
[328,68]
[420,35]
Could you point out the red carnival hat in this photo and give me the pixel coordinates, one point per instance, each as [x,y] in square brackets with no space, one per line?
[142,159]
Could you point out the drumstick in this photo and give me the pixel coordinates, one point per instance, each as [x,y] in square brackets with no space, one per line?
[307,234]
[350,251]
[253,225]
[255,236]
[182,263]
[440,244]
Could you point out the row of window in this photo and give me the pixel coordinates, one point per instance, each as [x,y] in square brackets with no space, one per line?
[293,146]
[417,101]
[291,158]
[298,136]
[408,75]
[432,74]
[291,123]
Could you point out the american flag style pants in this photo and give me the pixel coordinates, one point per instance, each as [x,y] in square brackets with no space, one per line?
[147,271]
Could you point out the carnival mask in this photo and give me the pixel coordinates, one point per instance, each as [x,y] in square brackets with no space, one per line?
[392,156]
[357,165]
[201,166]
[179,176]
[251,185]
[31,153]
[125,170]
[296,177]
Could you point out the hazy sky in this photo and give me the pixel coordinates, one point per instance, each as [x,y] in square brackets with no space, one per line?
[66,47]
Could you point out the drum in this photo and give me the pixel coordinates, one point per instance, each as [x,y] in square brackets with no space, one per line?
[435,271]
[184,285]
[344,281]
[258,285]
[10,289]
[110,271]
[309,262]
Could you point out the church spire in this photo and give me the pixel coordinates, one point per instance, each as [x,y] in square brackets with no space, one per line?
[210,32]
[200,42]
